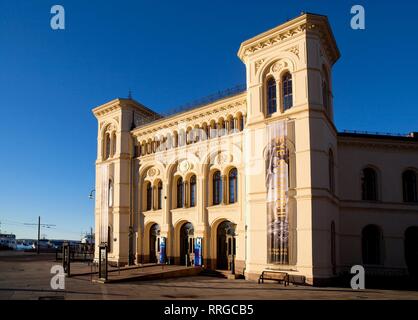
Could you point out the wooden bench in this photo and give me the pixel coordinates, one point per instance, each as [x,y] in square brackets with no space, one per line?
[274,275]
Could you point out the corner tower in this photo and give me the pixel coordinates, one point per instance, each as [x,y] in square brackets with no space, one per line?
[288,72]
[114,175]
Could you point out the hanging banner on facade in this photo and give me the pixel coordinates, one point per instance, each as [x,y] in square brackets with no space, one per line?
[104,203]
[277,160]
[198,252]
[163,253]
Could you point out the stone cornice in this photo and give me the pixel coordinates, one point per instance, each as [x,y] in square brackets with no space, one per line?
[304,24]
[118,103]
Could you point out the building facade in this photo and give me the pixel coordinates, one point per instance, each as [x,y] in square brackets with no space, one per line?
[260,179]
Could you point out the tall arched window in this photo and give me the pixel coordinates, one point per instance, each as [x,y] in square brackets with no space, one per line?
[233,185]
[107,146]
[179,193]
[271,96]
[331,171]
[369,184]
[160,195]
[149,196]
[216,188]
[409,183]
[193,191]
[371,244]
[287,91]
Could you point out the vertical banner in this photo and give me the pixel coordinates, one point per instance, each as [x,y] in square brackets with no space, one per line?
[198,252]
[163,253]
[277,160]
[104,204]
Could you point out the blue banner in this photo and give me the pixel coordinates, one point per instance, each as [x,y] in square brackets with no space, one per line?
[162,250]
[198,252]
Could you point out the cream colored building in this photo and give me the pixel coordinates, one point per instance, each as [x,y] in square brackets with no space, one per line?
[264,171]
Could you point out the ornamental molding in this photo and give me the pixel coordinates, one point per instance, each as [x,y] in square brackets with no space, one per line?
[221,111]
[304,24]
[153,172]
[184,166]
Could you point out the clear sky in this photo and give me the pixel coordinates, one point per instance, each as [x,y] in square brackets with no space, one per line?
[168,53]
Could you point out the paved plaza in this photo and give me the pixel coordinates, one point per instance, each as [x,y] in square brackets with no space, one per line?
[27,276]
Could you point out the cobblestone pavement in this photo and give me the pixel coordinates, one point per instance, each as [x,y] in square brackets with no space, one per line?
[27,276]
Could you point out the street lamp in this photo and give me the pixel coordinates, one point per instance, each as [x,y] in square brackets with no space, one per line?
[91,195]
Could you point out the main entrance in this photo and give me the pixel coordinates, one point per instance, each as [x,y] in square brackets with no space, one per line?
[225,242]
[186,244]
[154,243]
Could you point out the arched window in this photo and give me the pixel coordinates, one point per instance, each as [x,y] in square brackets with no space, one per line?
[371,244]
[160,195]
[149,196]
[369,184]
[110,194]
[325,89]
[179,193]
[409,183]
[107,146]
[331,171]
[233,185]
[193,191]
[287,91]
[271,96]
[216,188]
[113,144]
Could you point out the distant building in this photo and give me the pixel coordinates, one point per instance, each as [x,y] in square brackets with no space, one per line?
[7,241]
[262,176]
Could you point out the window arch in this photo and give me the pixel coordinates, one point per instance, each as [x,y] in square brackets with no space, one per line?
[149,196]
[371,244]
[192,191]
[287,93]
[160,195]
[233,185]
[216,188]
[369,184]
[409,184]
[271,96]
[331,174]
[180,192]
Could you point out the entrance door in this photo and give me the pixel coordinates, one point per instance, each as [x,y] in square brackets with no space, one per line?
[225,245]
[411,250]
[154,243]
[186,243]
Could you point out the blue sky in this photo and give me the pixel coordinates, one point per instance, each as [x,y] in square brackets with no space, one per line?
[168,53]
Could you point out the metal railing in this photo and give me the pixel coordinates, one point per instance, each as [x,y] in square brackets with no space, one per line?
[376,133]
[222,94]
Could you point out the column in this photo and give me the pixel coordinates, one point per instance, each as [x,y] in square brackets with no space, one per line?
[223,195]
